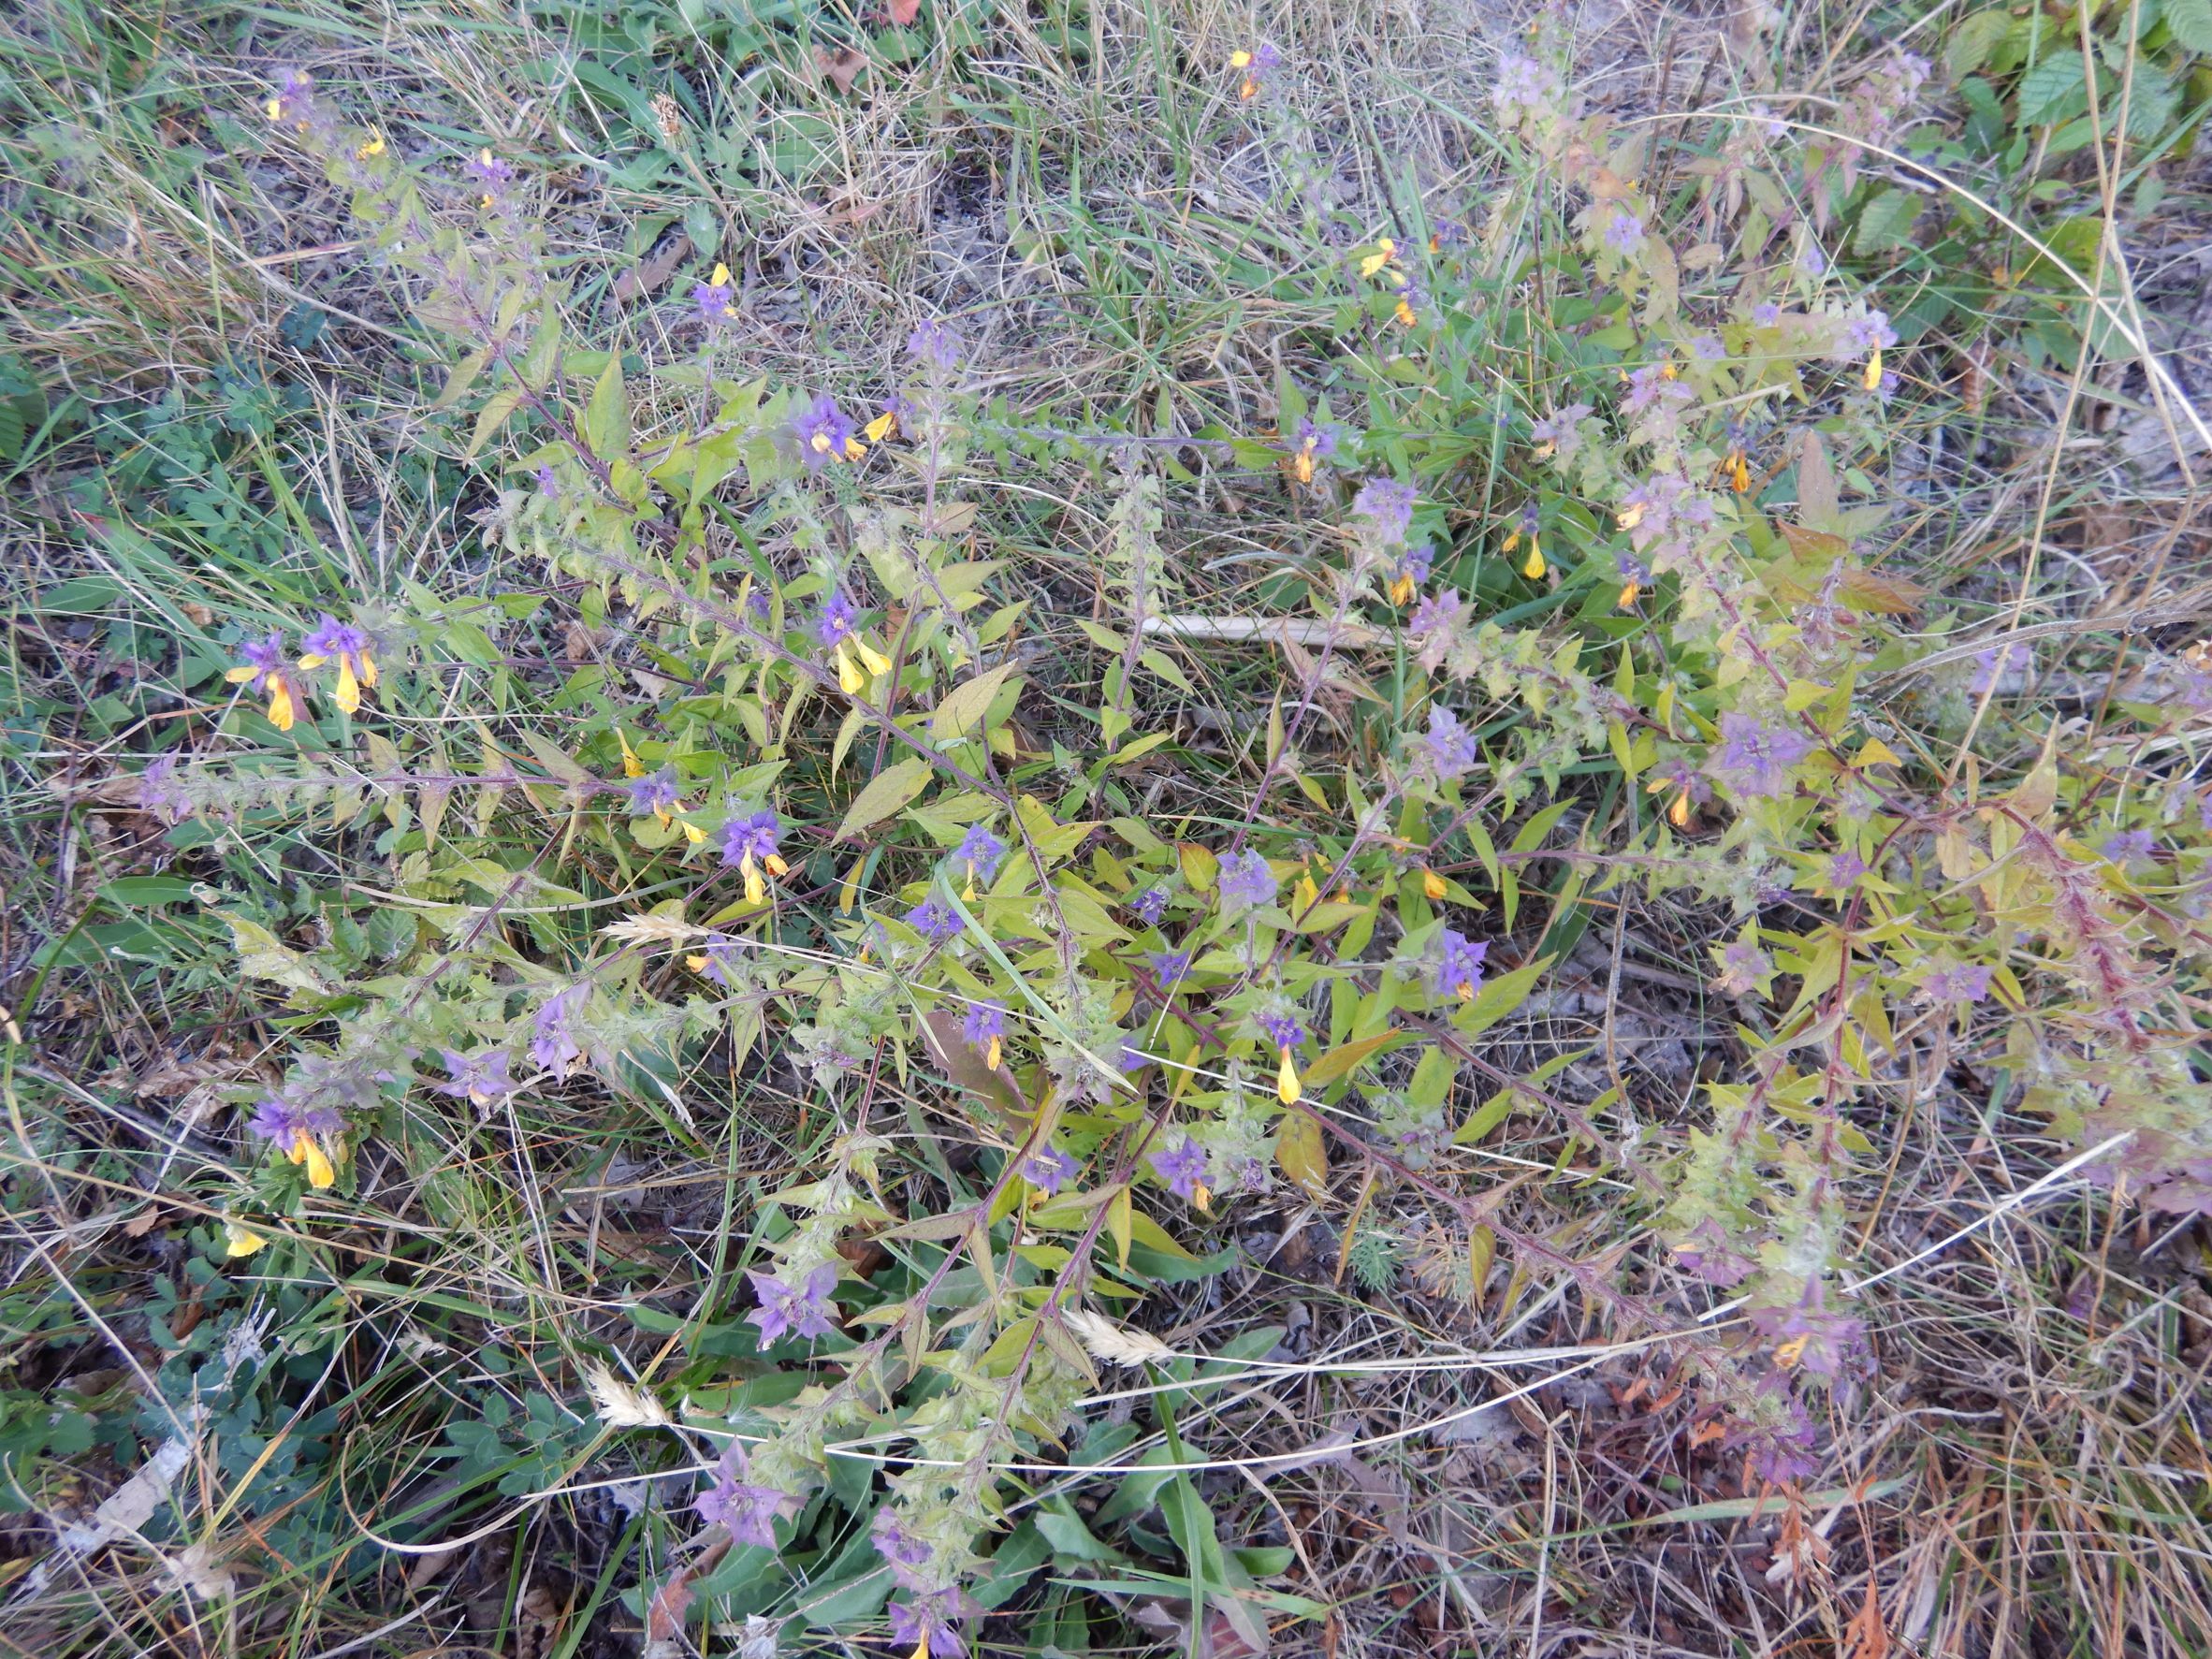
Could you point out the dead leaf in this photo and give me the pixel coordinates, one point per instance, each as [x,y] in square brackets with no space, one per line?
[537,1622]
[964,1067]
[842,67]
[139,1226]
[904,12]
[651,273]
[1866,1637]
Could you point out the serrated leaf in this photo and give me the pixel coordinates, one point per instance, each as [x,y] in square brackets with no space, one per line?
[2053,91]
[887,792]
[1886,222]
[2190,22]
[262,955]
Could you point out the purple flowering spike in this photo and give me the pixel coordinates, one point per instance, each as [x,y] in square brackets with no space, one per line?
[2129,846]
[1870,333]
[281,1121]
[1955,982]
[335,639]
[1170,966]
[717,957]
[484,1079]
[935,921]
[655,794]
[839,619]
[898,1546]
[935,344]
[1560,433]
[1246,881]
[265,657]
[1283,1030]
[983,1028]
[979,854]
[1755,758]
[932,1619]
[1185,1169]
[749,835]
[1386,505]
[825,433]
[803,1311]
[1624,233]
[1447,749]
[1458,970]
[749,1511]
[553,1046]
[1844,870]
[1049,1170]
[1150,905]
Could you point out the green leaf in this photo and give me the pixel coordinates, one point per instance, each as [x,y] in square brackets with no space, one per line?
[606,419]
[1974,39]
[2053,92]
[962,709]
[1299,1152]
[262,955]
[887,792]
[1886,222]
[1499,997]
[2190,22]
[1343,1062]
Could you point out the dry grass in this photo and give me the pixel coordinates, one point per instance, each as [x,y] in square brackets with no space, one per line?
[2025,1475]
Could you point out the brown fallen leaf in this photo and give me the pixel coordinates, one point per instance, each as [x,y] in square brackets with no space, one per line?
[964,1067]
[904,12]
[842,67]
[651,273]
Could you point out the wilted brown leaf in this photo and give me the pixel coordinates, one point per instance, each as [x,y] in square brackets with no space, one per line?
[904,12]
[649,274]
[842,67]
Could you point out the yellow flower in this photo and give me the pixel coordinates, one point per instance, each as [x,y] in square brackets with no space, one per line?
[994,1054]
[849,674]
[1432,883]
[1385,250]
[877,430]
[264,670]
[1628,595]
[1873,377]
[1631,515]
[346,645]
[1406,315]
[1239,59]
[1533,566]
[240,1240]
[720,278]
[274,108]
[878,663]
[373,148]
[307,1150]
[632,765]
[1286,1089]
[692,831]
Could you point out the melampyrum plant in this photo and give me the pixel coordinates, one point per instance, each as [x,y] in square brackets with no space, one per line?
[1637,654]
